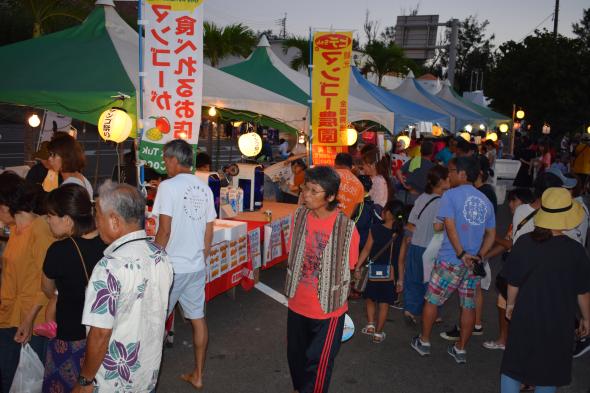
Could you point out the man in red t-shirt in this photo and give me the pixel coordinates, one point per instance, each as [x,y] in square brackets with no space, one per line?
[324,249]
[350,192]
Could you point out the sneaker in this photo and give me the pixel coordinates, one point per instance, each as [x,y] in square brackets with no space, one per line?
[397,305]
[493,345]
[459,355]
[582,347]
[454,334]
[451,335]
[422,348]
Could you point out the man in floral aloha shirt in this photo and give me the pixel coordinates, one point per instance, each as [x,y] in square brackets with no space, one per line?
[126,299]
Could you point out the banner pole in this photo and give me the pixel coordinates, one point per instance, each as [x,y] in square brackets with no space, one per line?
[310,100]
[139,96]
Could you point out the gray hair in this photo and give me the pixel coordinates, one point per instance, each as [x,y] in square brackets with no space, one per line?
[122,199]
[181,150]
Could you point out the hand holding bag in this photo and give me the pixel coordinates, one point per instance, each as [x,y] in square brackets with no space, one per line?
[29,373]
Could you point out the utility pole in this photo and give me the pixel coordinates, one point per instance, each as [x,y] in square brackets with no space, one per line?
[453,50]
[284,27]
[555,18]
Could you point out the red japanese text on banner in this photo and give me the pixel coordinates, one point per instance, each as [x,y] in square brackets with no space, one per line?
[173,82]
[330,81]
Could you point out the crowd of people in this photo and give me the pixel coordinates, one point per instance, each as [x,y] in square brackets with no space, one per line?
[90,292]
[427,229]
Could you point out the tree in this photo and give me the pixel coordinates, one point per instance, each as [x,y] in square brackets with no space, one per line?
[582,29]
[371,28]
[219,42]
[474,52]
[385,58]
[548,76]
[301,59]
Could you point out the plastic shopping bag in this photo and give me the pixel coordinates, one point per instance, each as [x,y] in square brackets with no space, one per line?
[486,282]
[29,373]
[429,256]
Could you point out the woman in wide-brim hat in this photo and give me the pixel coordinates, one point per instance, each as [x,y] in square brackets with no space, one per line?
[548,277]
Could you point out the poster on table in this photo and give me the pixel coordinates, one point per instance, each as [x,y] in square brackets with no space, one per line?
[286,229]
[330,82]
[254,244]
[273,246]
[173,81]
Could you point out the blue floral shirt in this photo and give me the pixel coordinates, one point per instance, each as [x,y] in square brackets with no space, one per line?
[128,293]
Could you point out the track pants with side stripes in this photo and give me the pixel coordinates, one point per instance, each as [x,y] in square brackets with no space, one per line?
[312,346]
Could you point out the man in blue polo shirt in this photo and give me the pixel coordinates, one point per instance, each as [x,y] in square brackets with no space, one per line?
[470,229]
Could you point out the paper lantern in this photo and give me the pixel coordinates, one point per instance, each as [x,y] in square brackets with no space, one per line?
[468,128]
[34,120]
[520,114]
[405,140]
[212,111]
[250,144]
[466,136]
[114,125]
[482,127]
[546,129]
[351,136]
[437,131]
[387,146]
[492,136]
[503,127]
[301,139]
[588,130]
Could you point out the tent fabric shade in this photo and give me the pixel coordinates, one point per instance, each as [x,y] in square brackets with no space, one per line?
[77,71]
[227,114]
[413,91]
[265,69]
[406,112]
[41,72]
[491,118]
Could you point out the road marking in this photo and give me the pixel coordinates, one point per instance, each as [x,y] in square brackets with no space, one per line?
[268,291]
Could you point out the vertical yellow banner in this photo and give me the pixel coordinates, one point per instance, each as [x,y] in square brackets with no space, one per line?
[330,83]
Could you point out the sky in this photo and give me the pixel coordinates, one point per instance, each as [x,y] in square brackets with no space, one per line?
[509,19]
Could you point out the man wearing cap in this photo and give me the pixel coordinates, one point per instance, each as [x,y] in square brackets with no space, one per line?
[41,172]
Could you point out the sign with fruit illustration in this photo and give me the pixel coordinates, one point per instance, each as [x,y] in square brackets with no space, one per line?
[173,81]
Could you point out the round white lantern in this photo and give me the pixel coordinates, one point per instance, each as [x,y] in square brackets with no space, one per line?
[405,140]
[492,136]
[503,127]
[387,146]
[468,128]
[351,136]
[212,111]
[114,125]
[34,120]
[250,144]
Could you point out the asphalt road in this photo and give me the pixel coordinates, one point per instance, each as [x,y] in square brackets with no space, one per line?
[247,351]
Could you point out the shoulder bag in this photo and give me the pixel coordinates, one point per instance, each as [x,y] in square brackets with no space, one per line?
[379,272]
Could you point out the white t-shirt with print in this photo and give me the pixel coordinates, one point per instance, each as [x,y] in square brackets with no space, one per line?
[189,201]
[86,184]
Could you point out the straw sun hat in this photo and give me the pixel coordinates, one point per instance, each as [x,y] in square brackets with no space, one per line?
[558,211]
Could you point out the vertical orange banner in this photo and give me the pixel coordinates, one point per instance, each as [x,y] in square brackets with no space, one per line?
[330,83]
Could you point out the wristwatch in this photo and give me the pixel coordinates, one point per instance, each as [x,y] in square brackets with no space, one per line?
[461,255]
[82,381]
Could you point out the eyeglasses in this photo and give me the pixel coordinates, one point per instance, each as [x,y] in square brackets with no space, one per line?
[52,154]
[307,190]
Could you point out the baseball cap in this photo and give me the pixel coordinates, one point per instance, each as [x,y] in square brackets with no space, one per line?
[568,182]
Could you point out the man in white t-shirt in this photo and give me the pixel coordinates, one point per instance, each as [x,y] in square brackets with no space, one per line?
[186,212]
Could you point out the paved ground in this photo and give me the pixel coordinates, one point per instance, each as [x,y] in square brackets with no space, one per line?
[247,352]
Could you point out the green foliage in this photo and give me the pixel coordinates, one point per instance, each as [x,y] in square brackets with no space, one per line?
[219,42]
[582,29]
[301,60]
[474,52]
[385,58]
[549,77]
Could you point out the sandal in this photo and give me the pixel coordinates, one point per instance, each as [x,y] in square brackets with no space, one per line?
[378,338]
[369,329]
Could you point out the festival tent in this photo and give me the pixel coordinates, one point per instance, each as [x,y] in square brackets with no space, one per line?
[411,90]
[406,112]
[491,118]
[83,70]
[265,69]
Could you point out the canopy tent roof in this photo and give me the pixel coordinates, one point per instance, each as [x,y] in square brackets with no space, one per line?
[491,118]
[77,71]
[265,69]
[413,91]
[406,112]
